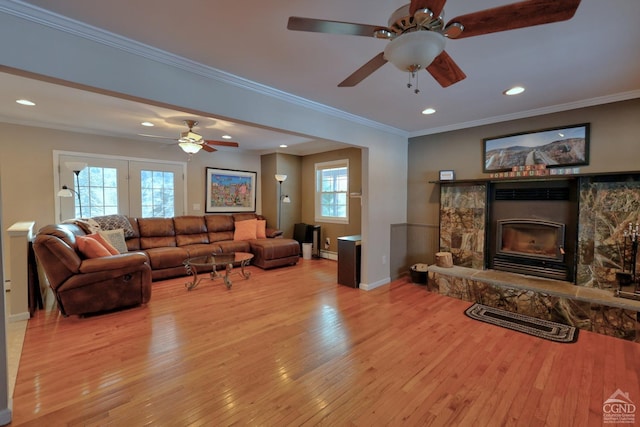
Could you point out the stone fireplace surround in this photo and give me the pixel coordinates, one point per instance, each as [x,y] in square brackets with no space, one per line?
[607,203]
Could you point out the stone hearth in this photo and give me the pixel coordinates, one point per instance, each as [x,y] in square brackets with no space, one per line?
[589,309]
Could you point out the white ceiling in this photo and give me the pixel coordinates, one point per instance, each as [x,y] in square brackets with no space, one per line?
[592,58]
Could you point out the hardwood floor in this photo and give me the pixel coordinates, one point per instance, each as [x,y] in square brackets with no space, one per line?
[291,347]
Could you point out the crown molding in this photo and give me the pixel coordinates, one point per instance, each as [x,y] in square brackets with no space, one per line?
[44,17]
[617,97]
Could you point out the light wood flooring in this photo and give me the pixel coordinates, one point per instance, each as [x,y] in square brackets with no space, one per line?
[291,347]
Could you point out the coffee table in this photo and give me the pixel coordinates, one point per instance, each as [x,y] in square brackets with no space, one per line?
[213,261]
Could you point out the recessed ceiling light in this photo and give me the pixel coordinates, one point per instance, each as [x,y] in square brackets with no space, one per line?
[149,124]
[516,90]
[25,102]
[226,137]
[283,145]
[428,111]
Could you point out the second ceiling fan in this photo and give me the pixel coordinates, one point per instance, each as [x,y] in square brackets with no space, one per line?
[192,142]
[417,33]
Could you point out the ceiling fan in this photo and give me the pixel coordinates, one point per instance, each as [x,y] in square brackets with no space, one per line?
[417,33]
[191,142]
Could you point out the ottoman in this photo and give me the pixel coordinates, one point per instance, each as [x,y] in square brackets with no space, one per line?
[270,253]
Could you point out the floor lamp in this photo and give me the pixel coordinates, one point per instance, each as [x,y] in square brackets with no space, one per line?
[76,167]
[281,178]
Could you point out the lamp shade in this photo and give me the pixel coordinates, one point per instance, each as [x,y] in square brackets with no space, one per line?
[75,166]
[65,192]
[190,147]
[414,51]
[286,199]
[280,177]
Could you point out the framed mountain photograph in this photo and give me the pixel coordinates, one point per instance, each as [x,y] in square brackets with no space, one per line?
[553,147]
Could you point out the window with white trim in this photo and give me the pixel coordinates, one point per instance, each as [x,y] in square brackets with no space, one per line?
[157,193]
[116,185]
[332,192]
[98,189]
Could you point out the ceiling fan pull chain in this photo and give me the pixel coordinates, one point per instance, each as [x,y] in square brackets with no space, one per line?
[417,89]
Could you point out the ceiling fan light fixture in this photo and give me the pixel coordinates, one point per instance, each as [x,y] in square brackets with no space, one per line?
[190,147]
[414,51]
[190,136]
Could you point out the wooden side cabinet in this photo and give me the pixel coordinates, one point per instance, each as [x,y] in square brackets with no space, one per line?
[349,252]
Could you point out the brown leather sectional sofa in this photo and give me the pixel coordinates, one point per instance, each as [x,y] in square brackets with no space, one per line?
[169,241]
[157,248]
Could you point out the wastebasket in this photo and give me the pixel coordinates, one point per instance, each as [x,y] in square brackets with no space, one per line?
[418,273]
[306,250]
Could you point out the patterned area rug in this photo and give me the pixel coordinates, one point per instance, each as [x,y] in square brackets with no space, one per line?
[518,322]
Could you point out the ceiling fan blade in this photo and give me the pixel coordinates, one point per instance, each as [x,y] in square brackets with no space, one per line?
[365,71]
[434,6]
[445,70]
[297,23]
[205,147]
[221,143]
[516,15]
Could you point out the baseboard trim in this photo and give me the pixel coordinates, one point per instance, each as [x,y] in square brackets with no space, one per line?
[374,285]
[19,317]
[329,255]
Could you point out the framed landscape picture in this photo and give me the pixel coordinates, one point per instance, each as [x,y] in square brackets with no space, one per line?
[230,191]
[554,147]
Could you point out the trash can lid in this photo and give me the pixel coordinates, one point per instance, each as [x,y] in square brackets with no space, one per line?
[419,267]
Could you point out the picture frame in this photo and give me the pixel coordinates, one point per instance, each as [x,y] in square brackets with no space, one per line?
[447,175]
[229,190]
[555,147]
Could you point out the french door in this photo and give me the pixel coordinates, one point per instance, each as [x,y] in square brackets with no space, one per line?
[104,185]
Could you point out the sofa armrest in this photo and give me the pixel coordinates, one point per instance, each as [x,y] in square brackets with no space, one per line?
[113,262]
[272,232]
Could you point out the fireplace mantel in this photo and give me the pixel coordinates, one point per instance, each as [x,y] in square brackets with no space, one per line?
[599,176]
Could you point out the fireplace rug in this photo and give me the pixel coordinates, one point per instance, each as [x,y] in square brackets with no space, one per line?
[518,322]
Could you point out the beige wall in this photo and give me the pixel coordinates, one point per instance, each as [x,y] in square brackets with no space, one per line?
[614,146]
[289,165]
[26,162]
[333,231]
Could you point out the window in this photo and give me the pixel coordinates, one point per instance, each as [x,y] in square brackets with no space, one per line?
[98,190]
[157,193]
[332,192]
[115,185]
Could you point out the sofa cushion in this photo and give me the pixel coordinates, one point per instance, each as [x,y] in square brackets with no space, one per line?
[243,216]
[202,249]
[190,230]
[245,230]
[91,248]
[166,257]
[230,246]
[156,233]
[219,227]
[219,223]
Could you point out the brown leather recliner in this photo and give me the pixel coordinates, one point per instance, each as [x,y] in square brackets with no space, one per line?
[83,286]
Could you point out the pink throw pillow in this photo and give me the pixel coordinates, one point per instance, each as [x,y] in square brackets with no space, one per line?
[104,242]
[261,230]
[245,230]
[91,248]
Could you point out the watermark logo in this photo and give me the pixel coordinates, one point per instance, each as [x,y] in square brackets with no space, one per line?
[619,409]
